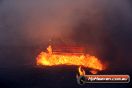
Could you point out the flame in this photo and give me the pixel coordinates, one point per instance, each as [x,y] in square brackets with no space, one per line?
[94,71]
[51,59]
[49,49]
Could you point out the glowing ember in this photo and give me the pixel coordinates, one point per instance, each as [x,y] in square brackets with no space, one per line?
[93,71]
[51,59]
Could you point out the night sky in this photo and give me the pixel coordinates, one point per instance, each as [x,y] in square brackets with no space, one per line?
[104,27]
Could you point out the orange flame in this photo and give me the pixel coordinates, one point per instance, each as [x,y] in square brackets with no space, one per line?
[94,71]
[51,59]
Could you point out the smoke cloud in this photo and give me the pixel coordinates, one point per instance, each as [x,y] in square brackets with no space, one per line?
[104,25]
[38,21]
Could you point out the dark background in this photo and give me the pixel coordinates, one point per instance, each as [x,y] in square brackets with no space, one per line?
[104,27]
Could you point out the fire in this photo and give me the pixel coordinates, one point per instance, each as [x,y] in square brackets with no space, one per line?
[52,59]
[94,71]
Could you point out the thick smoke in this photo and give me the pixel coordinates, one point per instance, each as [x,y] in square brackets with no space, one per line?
[38,21]
[103,25]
